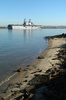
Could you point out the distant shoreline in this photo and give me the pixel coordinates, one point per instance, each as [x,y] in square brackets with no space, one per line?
[3,27]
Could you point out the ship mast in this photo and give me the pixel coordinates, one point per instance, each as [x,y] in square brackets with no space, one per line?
[30,20]
[24,22]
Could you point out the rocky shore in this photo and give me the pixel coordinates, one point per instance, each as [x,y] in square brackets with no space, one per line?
[45,79]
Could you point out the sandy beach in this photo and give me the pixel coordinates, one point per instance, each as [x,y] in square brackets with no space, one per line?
[34,82]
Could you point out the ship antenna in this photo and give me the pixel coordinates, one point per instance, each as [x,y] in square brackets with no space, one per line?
[25,20]
[30,20]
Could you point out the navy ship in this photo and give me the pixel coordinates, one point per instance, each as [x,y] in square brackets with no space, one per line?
[25,25]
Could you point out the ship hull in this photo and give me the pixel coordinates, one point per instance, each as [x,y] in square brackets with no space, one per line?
[22,27]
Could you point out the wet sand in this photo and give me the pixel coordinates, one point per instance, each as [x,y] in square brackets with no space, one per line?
[27,84]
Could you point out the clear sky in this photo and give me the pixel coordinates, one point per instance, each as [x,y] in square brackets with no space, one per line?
[41,12]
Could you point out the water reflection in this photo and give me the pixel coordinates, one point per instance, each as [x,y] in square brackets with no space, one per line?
[27,33]
[10,35]
[10,30]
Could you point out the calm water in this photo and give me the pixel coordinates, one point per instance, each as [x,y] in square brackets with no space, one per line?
[18,48]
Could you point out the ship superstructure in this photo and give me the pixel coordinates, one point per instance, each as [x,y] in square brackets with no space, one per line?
[27,22]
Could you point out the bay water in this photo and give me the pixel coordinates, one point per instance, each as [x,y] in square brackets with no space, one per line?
[19,48]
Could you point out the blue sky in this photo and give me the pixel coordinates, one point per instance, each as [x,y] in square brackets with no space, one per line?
[41,12]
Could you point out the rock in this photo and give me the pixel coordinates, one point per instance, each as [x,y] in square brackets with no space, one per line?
[25,80]
[15,93]
[26,95]
[56,69]
[40,71]
[19,70]
[53,71]
[41,57]
[47,77]
[26,77]
[20,98]
[49,70]
[25,69]
[19,83]
[30,89]
[31,95]
[34,72]
[28,65]
[15,89]
[49,93]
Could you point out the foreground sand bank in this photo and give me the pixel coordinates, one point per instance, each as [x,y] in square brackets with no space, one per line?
[33,80]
